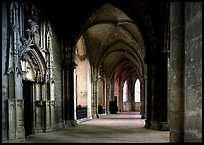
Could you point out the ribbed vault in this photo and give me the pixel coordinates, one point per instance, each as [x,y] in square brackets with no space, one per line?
[114,41]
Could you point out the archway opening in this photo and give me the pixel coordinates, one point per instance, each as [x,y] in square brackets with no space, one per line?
[137,90]
[137,95]
[125,95]
[28,106]
[82,82]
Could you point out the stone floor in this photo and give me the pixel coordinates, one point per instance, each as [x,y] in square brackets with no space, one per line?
[124,127]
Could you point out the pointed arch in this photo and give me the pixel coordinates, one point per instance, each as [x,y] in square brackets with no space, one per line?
[33,65]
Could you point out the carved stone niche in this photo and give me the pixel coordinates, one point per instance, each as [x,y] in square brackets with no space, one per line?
[28,70]
[31,35]
[34,32]
[33,65]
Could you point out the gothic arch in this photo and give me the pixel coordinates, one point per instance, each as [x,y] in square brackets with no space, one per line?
[33,64]
[36,89]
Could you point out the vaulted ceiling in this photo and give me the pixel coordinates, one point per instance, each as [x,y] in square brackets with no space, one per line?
[118,34]
[115,42]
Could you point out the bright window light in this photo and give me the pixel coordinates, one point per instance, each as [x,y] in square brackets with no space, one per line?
[137,91]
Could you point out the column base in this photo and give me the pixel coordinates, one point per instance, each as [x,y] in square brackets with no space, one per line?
[70,123]
[147,124]
[95,116]
[143,116]
[165,126]
[155,125]
[176,136]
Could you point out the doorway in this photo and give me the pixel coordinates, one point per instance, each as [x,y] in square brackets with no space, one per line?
[28,106]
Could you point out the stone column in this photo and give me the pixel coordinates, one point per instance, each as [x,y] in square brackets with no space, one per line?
[95,98]
[149,93]
[100,94]
[132,96]
[129,96]
[120,97]
[145,96]
[156,100]
[70,95]
[112,89]
[176,96]
[159,93]
[68,87]
[103,96]
[118,92]
[99,91]
[164,93]
[107,95]
[143,99]
[193,73]
[64,89]
[15,102]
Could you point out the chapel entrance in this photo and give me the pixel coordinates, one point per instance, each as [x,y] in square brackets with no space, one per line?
[28,106]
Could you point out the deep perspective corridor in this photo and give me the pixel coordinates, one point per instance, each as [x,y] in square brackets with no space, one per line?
[124,127]
[115,70]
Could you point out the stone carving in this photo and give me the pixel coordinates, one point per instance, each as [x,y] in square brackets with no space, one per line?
[53,103]
[14,64]
[34,32]
[35,62]
[34,26]
[33,38]
[47,76]
[37,72]
[39,103]
[26,45]
[38,76]
[48,32]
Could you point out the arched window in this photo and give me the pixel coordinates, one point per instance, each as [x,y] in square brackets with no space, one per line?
[125,92]
[137,90]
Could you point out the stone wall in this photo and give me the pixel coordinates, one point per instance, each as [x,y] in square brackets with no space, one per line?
[57,78]
[81,72]
[4,76]
[193,72]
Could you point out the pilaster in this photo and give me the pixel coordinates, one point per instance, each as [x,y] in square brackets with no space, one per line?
[176,96]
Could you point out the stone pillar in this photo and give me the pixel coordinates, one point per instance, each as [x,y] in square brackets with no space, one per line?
[70,95]
[149,93]
[107,95]
[159,93]
[193,73]
[68,87]
[164,93]
[100,91]
[112,89]
[100,95]
[156,101]
[95,98]
[15,102]
[165,69]
[158,70]
[64,88]
[118,92]
[104,96]
[176,96]
[142,96]
[120,96]
[4,76]
[145,96]
[132,95]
